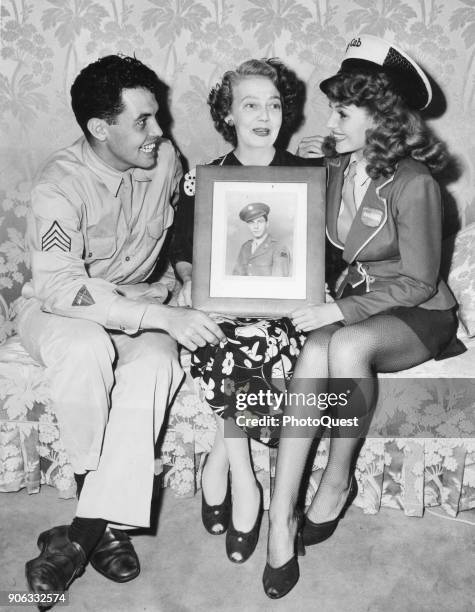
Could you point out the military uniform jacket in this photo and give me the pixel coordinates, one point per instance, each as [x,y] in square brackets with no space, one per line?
[84,247]
[271,258]
[394,243]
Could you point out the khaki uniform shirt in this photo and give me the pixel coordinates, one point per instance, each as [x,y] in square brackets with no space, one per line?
[83,245]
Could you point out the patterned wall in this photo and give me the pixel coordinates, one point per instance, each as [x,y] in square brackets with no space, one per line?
[44,43]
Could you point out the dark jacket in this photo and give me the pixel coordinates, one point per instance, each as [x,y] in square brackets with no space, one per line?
[394,243]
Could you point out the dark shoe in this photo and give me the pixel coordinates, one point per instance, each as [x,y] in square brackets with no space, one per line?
[216,518]
[314,533]
[114,556]
[59,563]
[278,581]
[244,543]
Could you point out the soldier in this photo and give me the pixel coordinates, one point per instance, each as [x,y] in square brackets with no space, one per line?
[101,209]
[262,255]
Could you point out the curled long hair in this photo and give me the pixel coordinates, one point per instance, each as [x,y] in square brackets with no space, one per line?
[289,86]
[399,131]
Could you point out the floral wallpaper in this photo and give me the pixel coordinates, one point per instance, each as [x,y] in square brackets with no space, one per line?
[44,43]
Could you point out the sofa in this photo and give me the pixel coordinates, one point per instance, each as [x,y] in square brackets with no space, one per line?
[419,453]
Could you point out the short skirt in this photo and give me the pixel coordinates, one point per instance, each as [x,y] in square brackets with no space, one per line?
[436,329]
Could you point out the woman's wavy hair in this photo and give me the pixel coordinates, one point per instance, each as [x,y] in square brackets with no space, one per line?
[400,131]
[289,86]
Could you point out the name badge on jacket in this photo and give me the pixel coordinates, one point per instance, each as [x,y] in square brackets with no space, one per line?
[371,216]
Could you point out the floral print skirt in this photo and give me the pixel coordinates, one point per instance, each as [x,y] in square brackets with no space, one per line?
[257,357]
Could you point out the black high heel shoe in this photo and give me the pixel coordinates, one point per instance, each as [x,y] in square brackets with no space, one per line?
[314,533]
[241,542]
[216,518]
[278,581]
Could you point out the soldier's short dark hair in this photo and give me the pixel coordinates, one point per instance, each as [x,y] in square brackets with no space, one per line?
[97,90]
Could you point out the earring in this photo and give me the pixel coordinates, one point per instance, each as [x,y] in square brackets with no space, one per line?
[229,122]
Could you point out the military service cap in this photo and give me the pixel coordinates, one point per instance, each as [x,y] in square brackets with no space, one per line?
[253,211]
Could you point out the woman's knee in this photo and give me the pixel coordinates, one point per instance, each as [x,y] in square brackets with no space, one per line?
[351,346]
[316,345]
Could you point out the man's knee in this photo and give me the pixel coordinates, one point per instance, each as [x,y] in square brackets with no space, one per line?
[87,345]
[57,341]
[156,353]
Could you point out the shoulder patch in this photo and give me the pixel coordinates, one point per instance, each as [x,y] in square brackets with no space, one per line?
[56,237]
[83,297]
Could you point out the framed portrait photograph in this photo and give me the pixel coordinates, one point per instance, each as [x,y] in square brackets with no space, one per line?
[259,239]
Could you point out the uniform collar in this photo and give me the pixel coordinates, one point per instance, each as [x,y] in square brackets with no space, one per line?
[336,173]
[111,177]
[259,241]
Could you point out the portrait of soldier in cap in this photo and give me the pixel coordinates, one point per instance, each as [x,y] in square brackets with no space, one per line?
[262,255]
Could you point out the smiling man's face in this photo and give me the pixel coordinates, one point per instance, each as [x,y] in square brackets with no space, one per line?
[132,140]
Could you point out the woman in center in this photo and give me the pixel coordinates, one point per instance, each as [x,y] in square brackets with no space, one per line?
[250,108]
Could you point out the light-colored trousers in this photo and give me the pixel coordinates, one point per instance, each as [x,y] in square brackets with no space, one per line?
[110,392]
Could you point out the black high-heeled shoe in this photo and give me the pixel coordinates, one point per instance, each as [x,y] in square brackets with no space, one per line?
[216,518]
[244,543]
[278,581]
[314,533]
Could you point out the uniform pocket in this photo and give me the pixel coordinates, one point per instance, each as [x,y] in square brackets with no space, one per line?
[155,228]
[101,248]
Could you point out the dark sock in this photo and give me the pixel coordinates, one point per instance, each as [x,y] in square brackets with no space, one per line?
[79,478]
[87,532]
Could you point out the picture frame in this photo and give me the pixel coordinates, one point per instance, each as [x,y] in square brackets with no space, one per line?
[238,270]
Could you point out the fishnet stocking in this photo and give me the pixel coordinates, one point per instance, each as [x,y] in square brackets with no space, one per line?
[333,358]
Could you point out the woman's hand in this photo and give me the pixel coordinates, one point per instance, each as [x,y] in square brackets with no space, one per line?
[184,271]
[310,146]
[308,318]
[184,296]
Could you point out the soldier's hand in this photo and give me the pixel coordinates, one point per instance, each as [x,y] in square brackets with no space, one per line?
[189,327]
[310,146]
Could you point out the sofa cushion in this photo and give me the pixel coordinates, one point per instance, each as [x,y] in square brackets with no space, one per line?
[462,277]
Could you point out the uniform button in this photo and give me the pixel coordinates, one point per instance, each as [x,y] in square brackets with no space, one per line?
[90,255]
[127,258]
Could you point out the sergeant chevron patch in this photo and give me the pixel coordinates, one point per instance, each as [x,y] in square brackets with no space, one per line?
[56,237]
[83,297]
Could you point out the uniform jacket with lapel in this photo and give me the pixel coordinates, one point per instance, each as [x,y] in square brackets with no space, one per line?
[394,243]
[271,258]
